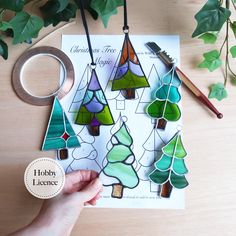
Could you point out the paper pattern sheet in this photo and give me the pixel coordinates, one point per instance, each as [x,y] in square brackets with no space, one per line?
[147,142]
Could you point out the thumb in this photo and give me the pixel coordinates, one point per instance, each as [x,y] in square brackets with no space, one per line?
[91,190]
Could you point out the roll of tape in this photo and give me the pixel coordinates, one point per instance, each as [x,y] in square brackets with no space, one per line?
[65,87]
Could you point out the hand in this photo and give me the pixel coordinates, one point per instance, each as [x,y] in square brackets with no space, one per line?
[58,215]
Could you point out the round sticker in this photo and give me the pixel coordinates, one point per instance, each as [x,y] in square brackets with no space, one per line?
[44,178]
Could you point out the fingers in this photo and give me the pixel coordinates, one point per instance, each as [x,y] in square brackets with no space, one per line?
[81,175]
[78,186]
[85,186]
[74,179]
[90,191]
[93,201]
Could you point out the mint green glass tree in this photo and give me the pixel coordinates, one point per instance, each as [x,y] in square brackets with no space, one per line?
[120,160]
[170,169]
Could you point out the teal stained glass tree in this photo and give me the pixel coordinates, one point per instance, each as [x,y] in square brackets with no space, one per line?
[165,108]
[120,160]
[170,169]
[94,110]
[60,134]
[129,75]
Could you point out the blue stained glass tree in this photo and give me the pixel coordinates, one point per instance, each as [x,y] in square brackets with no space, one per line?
[94,110]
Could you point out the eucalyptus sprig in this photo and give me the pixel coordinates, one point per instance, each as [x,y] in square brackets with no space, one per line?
[24,26]
[211,18]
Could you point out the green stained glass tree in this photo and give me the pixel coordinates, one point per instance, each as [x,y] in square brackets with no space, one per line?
[60,134]
[120,160]
[129,75]
[165,108]
[94,110]
[170,169]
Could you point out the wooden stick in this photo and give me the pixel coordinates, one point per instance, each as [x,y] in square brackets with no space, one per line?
[202,98]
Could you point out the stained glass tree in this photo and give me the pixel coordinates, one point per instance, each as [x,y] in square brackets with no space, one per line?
[119,95]
[60,134]
[165,108]
[120,160]
[129,75]
[94,110]
[170,169]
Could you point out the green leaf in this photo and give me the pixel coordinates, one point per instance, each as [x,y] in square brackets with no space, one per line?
[25,26]
[4,26]
[233,27]
[106,8]
[211,17]
[29,40]
[212,60]
[209,38]
[50,8]
[233,51]
[218,91]
[52,16]
[3,49]
[63,4]
[14,5]
[86,4]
